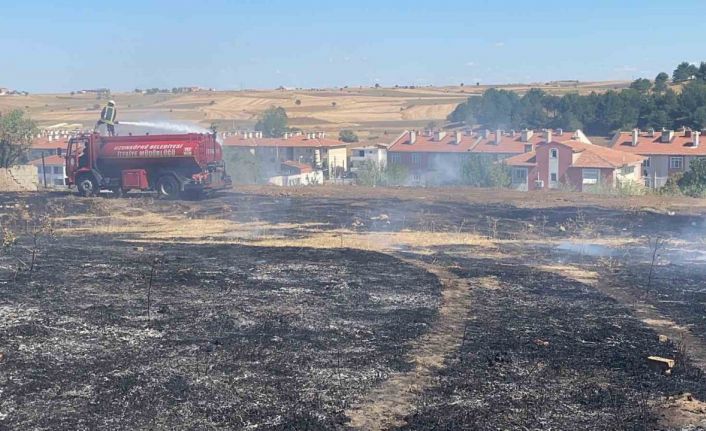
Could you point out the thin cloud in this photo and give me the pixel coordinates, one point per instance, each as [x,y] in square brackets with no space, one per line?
[470,63]
[499,44]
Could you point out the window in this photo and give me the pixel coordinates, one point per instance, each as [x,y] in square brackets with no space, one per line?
[394,158]
[519,175]
[591,176]
[628,170]
[57,170]
[554,153]
[40,170]
[676,162]
[58,182]
[553,177]
[416,159]
[646,163]
[528,148]
[361,153]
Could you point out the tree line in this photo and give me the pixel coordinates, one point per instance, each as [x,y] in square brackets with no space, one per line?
[645,104]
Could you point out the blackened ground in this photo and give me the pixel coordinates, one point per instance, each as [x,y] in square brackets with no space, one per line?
[497,219]
[273,338]
[677,290]
[545,352]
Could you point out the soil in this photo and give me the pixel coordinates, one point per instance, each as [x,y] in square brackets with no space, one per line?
[349,308]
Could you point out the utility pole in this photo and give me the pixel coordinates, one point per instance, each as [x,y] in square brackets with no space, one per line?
[44,171]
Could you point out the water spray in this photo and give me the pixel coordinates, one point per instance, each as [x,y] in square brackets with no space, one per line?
[163,125]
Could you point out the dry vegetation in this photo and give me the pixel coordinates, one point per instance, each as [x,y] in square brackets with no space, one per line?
[351,308]
[364,109]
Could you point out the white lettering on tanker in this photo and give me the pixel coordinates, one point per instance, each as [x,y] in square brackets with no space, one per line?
[148,150]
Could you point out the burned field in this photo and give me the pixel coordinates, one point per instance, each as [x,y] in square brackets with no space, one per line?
[542,351]
[269,310]
[233,336]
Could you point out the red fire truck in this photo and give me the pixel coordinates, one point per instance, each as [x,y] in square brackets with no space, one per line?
[172,165]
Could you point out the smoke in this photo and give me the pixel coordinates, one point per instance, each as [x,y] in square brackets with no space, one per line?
[166,126]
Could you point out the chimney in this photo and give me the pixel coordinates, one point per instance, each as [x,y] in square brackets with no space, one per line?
[549,135]
[438,136]
[651,132]
[687,133]
[512,132]
[412,137]
[498,136]
[667,136]
[485,133]
[459,136]
[526,135]
[695,135]
[635,137]
[559,132]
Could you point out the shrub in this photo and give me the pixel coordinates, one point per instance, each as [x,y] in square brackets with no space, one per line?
[479,171]
[348,136]
[693,182]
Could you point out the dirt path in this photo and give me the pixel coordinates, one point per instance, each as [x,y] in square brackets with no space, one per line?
[387,405]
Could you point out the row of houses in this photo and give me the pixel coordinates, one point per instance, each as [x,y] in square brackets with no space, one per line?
[547,159]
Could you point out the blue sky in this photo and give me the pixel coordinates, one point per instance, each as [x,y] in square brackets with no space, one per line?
[61,46]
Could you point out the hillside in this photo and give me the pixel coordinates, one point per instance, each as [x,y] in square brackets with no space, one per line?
[372,110]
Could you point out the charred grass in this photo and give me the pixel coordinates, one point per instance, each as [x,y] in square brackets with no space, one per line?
[274,309]
[546,352]
[238,337]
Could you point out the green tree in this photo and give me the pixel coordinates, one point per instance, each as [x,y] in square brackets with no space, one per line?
[684,71]
[396,174]
[272,122]
[16,133]
[701,73]
[370,173]
[661,82]
[245,167]
[532,113]
[347,136]
[642,85]
[691,100]
[479,171]
[693,182]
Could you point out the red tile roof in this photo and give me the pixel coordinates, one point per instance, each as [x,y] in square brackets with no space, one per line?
[52,160]
[46,144]
[526,159]
[300,141]
[680,145]
[431,144]
[302,167]
[588,156]
[510,144]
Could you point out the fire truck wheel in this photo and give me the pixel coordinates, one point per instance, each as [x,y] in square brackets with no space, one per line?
[87,186]
[168,187]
